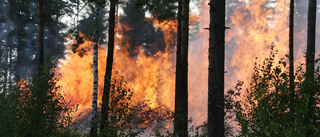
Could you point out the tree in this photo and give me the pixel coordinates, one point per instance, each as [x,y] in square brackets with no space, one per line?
[166,11]
[107,77]
[141,32]
[40,34]
[266,109]
[93,131]
[181,92]
[311,41]
[216,69]
[291,31]
[311,33]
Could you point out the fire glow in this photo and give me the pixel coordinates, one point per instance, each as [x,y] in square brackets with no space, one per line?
[254,28]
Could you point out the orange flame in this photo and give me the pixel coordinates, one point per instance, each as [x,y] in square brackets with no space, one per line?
[255,26]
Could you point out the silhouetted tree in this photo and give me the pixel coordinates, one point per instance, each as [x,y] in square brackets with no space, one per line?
[311,41]
[216,69]
[291,31]
[181,93]
[40,35]
[107,77]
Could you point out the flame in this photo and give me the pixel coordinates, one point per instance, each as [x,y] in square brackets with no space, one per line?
[255,26]
[151,77]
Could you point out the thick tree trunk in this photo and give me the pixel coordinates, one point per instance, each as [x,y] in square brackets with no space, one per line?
[93,131]
[107,78]
[181,95]
[311,39]
[40,33]
[216,69]
[291,56]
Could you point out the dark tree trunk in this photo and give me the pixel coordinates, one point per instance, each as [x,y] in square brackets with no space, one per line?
[107,77]
[7,48]
[40,33]
[181,93]
[291,56]
[177,127]
[216,69]
[93,131]
[57,28]
[311,39]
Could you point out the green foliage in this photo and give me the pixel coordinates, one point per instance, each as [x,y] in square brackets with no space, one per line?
[129,118]
[166,11]
[120,122]
[269,108]
[36,108]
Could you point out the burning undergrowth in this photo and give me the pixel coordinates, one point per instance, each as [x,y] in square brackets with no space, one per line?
[150,76]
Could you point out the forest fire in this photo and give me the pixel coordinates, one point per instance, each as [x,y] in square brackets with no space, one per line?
[151,77]
[255,26]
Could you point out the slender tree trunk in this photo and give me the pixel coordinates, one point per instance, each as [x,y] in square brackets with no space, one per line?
[177,127]
[181,93]
[7,48]
[93,132]
[9,70]
[291,36]
[40,33]
[57,28]
[107,77]
[216,69]
[311,39]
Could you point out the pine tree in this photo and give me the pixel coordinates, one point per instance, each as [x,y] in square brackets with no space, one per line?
[181,94]
[40,35]
[107,78]
[311,39]
[291,31]
[216,69]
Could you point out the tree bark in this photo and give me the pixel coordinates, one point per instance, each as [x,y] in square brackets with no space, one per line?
[93,131]
[181,93]
[107,78]
[291,36]
[311,39]
[216,69]
[40,33]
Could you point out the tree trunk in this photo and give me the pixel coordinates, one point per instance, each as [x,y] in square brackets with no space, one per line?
[40,33]
[57,28]
[216,69]
[291,56]
[93,131]
[181,93]
[312,10]
[107,77]
[7,49]
[177,107]
[311,39]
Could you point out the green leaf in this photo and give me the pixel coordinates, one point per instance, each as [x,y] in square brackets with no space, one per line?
[284,64]
[268,133]
[287,56]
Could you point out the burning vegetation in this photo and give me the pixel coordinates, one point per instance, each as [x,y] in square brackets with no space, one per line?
[142,86]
